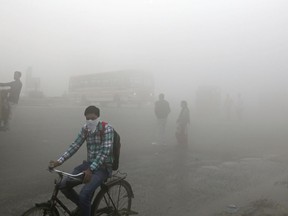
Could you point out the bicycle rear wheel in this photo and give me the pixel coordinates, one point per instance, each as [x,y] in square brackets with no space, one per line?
[41,211]
[121,195]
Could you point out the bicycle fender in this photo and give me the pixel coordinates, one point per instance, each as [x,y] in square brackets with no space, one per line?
[132,193]
[123,182]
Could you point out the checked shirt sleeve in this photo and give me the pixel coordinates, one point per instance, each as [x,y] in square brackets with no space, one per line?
[73,148]
[105,148]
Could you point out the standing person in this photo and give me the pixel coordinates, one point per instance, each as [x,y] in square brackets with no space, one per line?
[13,92]
[183,121]
[162,110]
[5,110]
[15,88]
[97,168]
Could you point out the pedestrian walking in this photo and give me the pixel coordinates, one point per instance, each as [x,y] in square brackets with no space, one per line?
[182,124]
[162,110]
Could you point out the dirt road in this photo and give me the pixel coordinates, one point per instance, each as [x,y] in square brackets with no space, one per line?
[229,168]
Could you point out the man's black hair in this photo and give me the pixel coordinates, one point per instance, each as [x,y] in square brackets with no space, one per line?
[18,73]
[92,109]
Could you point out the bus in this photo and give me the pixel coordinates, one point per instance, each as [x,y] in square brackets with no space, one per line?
[117,87]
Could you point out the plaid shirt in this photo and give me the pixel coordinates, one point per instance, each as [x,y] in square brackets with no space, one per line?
[99,146]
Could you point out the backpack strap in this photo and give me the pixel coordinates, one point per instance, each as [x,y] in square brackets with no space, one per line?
[103,127]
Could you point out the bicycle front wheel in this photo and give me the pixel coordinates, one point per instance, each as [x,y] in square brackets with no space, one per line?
[41,211]
[115,200]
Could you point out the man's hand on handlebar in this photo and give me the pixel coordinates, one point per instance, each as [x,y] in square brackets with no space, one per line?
[87,176]
[53,164]
[87,173]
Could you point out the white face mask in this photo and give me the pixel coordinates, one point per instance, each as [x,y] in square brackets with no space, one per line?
[92,124]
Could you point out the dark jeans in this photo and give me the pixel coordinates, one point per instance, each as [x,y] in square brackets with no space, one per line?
[83,199]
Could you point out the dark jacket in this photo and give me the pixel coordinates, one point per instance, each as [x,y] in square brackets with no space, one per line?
[184,117]
[162,109]
[14,91]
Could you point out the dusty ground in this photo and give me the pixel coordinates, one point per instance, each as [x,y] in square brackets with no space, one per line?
[228,168]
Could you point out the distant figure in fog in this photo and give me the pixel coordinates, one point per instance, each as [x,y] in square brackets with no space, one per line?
[162,110]
[13,92]
[97,168]
[4,109]
[182,124]
[15,88]
[228,106]
[239,107]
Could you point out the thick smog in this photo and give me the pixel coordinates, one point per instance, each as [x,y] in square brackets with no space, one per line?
[196,90]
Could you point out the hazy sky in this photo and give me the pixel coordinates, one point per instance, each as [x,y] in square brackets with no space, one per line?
[239,45]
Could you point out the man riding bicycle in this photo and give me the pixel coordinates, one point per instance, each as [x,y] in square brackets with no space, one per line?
[97,168]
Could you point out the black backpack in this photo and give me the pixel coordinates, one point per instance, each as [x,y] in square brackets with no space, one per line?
[116,148]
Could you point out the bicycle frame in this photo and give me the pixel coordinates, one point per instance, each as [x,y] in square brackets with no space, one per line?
[113,198]
[54,201]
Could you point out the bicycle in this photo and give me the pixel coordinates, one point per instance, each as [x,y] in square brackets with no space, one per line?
[114,198]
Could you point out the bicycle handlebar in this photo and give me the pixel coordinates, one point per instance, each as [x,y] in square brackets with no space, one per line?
[67,174]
